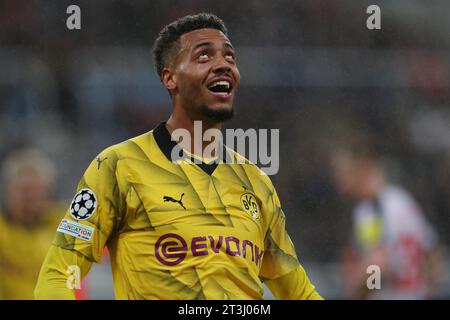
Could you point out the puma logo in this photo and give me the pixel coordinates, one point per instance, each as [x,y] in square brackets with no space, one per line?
[99,161]
[170,199]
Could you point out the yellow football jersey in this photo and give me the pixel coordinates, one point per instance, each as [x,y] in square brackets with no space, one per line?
[22,252]
[178,230]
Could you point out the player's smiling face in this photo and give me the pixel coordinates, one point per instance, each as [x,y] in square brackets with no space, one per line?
[205,73]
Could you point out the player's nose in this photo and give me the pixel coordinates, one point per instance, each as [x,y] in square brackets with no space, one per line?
[221,65]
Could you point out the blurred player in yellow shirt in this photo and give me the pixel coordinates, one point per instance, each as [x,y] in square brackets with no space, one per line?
[28,219]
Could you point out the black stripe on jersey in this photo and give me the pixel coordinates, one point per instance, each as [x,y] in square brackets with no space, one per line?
[166,144]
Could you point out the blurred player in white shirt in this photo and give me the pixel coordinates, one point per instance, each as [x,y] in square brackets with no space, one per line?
[389,231]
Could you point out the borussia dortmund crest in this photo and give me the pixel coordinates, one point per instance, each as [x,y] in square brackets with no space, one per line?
[249,204]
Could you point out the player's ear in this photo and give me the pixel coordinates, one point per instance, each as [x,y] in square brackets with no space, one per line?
[169,79]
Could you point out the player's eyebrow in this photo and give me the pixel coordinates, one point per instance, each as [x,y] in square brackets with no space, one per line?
[229,45]
[210,44]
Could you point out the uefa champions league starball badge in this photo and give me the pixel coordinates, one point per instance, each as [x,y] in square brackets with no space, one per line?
[83,205]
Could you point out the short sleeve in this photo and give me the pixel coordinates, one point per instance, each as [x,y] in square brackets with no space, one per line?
[93,214]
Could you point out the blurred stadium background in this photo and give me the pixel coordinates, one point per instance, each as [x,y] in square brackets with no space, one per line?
[310,68]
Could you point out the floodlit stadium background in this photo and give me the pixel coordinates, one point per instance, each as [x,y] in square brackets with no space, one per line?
[310,68]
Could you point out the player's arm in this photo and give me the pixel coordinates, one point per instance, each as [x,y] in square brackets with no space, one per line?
[281,270]
[60,274]
[293,286]
[92,218]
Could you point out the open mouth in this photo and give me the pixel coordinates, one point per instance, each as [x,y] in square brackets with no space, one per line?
[221,87]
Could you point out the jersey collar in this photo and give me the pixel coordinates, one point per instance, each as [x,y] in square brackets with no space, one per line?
[166,144]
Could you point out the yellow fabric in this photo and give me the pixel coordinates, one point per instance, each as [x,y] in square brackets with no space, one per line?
[293,286]
[22,251]
[215,237]
[54,276]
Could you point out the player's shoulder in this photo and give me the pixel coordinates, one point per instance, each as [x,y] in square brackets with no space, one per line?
[253,172]
[391,198]
[394,195]
[130,148]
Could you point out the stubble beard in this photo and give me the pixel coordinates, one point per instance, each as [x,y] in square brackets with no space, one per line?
[217,114]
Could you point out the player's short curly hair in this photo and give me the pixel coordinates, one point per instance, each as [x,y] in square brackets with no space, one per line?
[166,42]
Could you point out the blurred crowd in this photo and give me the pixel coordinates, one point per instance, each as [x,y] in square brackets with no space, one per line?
[309,68]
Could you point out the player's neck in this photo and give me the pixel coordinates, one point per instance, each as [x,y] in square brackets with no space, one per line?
[374,187]
[183,121]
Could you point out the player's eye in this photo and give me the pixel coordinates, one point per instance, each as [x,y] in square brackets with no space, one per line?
[203,56]
[229,56]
